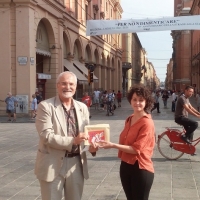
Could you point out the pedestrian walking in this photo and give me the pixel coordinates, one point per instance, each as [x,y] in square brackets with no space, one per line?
[38,97]
[156,103]
[11,103]
[33,106]
[61,164]
[114,95]
[96,95]
[119,98]
[109,101]
[174,99]
[86,99]
[153,94]
[104,100]
[136,144]
[164,98]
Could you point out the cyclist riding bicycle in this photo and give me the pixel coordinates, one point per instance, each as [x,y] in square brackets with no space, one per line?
[183,107]
[109,101]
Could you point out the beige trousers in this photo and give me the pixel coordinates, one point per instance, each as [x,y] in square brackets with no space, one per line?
[70,180]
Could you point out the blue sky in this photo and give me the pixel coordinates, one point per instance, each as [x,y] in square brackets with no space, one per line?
[157,44]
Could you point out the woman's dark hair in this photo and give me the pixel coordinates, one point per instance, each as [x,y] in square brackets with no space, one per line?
[189,87]
[144,92]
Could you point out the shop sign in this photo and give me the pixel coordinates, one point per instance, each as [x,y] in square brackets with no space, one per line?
[22,60]
[32,60]
[44,76]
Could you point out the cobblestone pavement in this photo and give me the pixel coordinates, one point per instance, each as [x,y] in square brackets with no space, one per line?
[174,180]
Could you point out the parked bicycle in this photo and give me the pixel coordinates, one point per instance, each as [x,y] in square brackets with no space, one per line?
[171,146]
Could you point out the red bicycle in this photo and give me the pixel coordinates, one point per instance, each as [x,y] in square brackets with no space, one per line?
[172,147]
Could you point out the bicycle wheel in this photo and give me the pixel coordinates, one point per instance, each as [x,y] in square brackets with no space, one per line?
[165,147]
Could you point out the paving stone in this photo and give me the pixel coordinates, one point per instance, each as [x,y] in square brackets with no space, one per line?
[174,180]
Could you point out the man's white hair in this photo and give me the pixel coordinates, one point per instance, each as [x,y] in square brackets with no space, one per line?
[66,72]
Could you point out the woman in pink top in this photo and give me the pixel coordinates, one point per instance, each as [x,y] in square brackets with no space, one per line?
[136,144]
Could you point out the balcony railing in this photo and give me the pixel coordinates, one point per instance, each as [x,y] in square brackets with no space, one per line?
[61,1]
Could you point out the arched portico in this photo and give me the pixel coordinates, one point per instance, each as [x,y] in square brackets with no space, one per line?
[45,53]
[88,54]
[67,49]
[78,50]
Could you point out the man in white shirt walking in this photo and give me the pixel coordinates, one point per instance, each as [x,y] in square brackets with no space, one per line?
[174,99]
[156,103]
[96,98]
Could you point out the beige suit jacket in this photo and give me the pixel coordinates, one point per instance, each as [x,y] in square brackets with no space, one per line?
[53,140]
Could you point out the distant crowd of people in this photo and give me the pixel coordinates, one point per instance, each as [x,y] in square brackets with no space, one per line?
[100,100]
[103,100]
[12,103]
[164,95]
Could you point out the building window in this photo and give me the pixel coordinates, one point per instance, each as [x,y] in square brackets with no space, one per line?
[39,35]
[76,9]
[106,6]
[111,12]
[94,15]
[199,45]
[86,12]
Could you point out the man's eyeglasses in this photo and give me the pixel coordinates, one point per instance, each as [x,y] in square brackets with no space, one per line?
[65,84]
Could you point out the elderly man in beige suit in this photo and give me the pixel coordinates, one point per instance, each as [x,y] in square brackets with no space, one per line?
[61,164]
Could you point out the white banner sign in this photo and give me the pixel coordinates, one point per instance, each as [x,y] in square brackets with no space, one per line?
[101,27]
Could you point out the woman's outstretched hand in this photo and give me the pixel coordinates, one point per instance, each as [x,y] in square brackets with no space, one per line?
[105,145]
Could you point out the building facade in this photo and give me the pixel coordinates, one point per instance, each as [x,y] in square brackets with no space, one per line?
[195,54]
[169,76]
[151,79]
[186,46]
[135,66]
[44,38]
[182,45]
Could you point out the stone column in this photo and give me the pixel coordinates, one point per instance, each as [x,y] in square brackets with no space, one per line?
[6,51]
[25,36]
[60,44]
[98,75]
[104,78]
